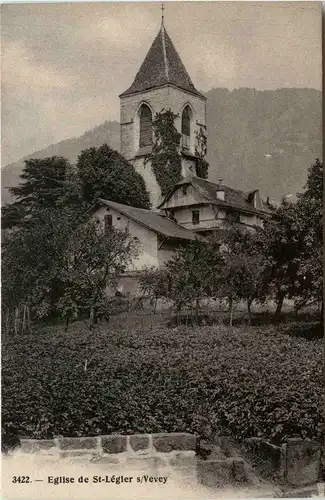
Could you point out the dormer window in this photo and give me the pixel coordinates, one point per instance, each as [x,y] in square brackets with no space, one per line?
[220,194]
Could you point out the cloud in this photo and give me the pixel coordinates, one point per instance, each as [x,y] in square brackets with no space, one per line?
[23,75]
[65,64]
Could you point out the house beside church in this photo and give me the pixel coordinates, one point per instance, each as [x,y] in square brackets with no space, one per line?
[204,207]
[194,207]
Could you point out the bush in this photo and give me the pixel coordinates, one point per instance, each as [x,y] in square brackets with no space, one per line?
[244,382]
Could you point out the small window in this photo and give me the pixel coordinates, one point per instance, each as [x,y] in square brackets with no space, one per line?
[108,221]
[184,190]
[233,217]
[196,217]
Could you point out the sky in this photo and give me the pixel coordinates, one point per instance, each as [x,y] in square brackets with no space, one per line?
[64,64]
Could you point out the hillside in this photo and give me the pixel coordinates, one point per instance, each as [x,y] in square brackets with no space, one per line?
[256,139]
[264,139]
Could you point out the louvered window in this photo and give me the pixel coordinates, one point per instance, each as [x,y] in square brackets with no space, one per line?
[145,126]
[186,127]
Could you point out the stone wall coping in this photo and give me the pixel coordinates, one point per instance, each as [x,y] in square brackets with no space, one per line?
[116,443]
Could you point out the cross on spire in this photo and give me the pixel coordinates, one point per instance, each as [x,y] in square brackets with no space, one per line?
[162,13]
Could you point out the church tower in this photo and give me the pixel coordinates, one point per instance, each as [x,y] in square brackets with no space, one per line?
[162,82]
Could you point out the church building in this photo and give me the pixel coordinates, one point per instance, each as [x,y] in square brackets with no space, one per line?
[194,207]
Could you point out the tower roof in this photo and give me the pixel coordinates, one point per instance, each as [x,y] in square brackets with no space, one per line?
[162,65]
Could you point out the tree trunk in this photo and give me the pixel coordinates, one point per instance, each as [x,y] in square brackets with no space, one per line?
[280,297]
[67,322]
[155,306]
[23,329]
[322,314]
[16,320]
[249,303]
[178,317]
[7,321]
[91,318]
[28,319]
[197,306]
[231,307]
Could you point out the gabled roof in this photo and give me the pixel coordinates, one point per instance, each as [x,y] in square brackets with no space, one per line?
[208,191]
[158,223]
[162,65]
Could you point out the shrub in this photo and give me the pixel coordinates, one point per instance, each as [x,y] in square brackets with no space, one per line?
[244,382]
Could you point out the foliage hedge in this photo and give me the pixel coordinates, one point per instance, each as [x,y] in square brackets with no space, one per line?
[244,382]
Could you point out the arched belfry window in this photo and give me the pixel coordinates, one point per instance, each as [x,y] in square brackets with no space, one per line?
[186,127]
[145,126]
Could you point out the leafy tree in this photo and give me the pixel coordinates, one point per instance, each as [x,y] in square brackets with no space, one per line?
[241,275]
[154,283]
[310,210]
[283,241]
[93,259]
[165,157]
[104,173]
[45,183]
[75,263]
[293,242]
[32,259]
[192,271]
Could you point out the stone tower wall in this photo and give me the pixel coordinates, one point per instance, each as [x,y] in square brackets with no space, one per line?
[166,97]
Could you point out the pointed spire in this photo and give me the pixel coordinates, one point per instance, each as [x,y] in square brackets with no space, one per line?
[161,66]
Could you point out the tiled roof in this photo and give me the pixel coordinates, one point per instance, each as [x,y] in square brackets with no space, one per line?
[162,65]
[208,190]
[152,220]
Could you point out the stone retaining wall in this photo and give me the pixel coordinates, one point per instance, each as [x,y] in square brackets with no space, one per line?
[169,453]
[296,462]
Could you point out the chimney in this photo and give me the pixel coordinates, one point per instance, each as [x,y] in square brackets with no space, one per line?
[220,190]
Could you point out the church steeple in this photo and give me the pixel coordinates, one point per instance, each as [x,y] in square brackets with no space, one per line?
[161,66]
[162,82]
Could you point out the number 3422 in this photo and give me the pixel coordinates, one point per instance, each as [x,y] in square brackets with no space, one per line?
[21,479]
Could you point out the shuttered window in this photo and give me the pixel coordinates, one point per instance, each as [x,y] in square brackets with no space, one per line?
[108,221]
[145,126]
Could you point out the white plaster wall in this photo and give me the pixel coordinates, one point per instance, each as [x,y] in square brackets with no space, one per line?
[178,199]
[208,219]
[148,255]
[164,255]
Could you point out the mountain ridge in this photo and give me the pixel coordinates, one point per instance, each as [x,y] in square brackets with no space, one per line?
[257,139]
